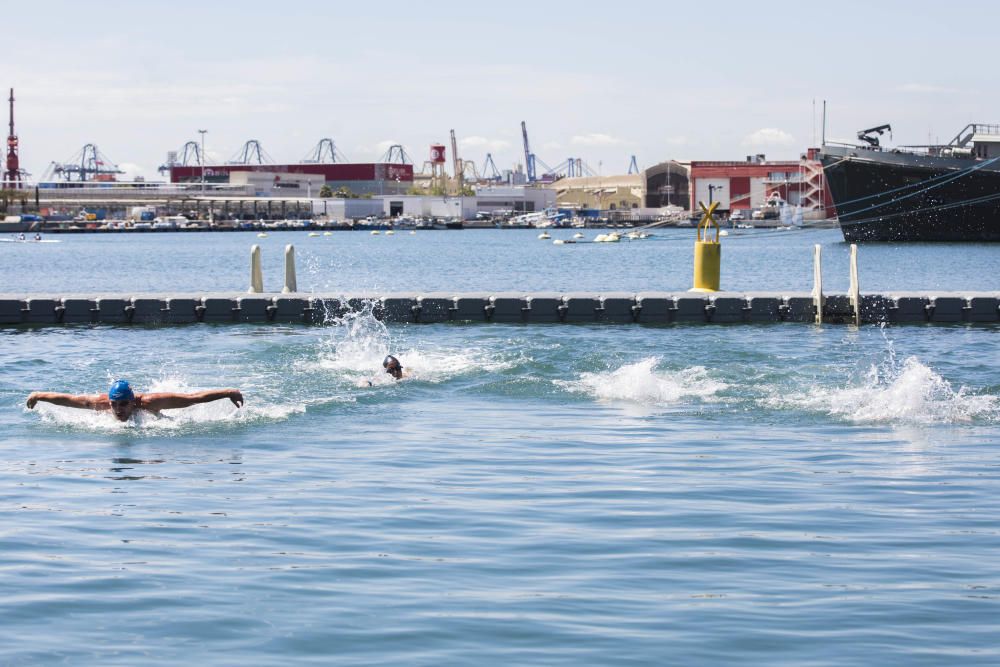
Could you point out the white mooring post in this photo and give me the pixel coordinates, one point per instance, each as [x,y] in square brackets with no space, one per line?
[290,285]
[256,276]
[818,299]
[855,292]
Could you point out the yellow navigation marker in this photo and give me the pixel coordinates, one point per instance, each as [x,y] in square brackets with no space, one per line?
[707,254]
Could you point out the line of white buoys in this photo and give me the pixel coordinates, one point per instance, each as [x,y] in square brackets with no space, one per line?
[612,237]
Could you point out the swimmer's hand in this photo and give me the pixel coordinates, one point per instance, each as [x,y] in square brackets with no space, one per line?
[32,400]
[236,397]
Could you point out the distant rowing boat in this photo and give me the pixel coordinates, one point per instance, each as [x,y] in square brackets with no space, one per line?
[31,240]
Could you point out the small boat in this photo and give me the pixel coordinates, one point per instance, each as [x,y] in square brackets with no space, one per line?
[262,235]
[578,235]
[375,232]
[390,233]
[327,233]
[544,236]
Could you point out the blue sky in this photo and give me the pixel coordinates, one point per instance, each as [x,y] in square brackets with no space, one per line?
[596,80]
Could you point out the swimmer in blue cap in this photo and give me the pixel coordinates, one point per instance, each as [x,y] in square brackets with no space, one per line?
[123,402]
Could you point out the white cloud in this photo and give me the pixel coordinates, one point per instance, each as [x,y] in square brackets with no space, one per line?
[768,136]
[551,145]
[492,145]
[595,139]
[922,88]
[133,170]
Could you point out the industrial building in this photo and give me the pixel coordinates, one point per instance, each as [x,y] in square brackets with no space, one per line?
[664,184]
[355,178]
[751,184]
[495,201]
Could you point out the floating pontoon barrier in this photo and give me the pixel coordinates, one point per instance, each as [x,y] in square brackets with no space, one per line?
[505,307]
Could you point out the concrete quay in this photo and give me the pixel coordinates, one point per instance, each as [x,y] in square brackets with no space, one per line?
[501,307]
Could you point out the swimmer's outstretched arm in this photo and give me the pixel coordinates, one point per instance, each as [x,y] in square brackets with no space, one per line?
[170,401]
[87,401]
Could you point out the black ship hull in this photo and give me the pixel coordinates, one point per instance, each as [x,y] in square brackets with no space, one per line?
[890,196]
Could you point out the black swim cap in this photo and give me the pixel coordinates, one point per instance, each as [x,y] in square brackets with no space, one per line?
[389,359]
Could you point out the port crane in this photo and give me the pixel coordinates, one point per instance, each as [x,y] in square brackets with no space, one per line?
[868,137]
[13,174]
[325,152]
[87,165]
[396,154]
[190,154]
[490,171]
[251,153]
[529,157]
[633,166]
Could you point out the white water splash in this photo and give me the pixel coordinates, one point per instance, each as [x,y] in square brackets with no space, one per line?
[642,383]
[214,413]
[907,393]
[358,343]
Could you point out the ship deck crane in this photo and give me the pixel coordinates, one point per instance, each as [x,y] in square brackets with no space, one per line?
[866,135]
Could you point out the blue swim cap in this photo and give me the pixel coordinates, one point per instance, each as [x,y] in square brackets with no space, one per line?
[120,391]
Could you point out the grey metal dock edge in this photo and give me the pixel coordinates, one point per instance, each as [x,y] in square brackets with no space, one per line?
[499,307]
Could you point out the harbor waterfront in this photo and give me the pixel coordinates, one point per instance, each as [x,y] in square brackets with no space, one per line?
[778,493]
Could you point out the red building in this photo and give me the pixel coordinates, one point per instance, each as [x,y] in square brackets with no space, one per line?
[753,183]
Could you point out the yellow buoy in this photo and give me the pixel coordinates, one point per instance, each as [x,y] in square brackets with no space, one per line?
[707,254]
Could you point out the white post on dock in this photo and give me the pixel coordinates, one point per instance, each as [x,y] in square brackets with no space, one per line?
[817,294]
[256,275]
[855,290]
[290,285]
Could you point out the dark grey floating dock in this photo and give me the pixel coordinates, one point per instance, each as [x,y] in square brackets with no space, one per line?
[501,307]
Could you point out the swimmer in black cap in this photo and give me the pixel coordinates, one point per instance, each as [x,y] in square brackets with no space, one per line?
[393,367]
[122,401]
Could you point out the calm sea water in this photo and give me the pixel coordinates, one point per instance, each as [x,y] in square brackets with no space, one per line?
[576,495]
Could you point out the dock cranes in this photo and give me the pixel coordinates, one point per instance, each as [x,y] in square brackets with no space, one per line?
[529,157]
[251,153]
[325,152]
[189,154]
[89,164]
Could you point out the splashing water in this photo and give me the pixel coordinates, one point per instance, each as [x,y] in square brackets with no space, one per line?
[358,342]
[642,383]
[905,393]
[214,413]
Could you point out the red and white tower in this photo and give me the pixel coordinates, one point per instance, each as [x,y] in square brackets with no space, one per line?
[12,172]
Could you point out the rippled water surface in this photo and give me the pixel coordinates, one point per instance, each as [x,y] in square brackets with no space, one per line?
[575,495]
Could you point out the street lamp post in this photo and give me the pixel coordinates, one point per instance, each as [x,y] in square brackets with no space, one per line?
[202,132]
[711,189]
